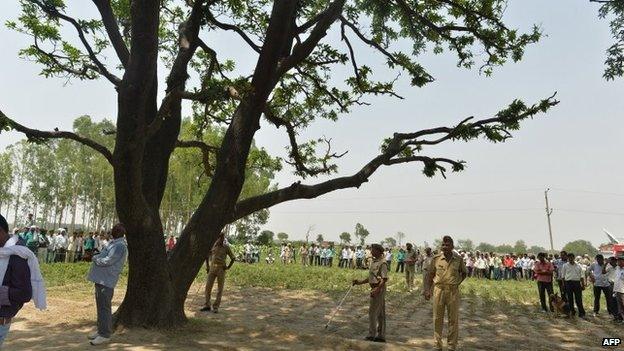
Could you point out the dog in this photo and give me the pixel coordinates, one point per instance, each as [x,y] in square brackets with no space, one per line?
[561,307]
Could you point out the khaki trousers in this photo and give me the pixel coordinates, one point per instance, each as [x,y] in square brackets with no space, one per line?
[377,315]
[218,273]
[446,298]
[410,271]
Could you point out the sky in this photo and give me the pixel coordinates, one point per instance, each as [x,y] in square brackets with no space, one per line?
[575,149]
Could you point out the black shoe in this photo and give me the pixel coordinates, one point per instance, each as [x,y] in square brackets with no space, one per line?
[379,340]
[215,310]
[205,309]
[369,338]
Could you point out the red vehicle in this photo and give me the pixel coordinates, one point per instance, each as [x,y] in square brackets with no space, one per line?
[618,244]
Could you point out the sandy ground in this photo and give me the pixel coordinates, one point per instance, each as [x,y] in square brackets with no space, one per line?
[262,319]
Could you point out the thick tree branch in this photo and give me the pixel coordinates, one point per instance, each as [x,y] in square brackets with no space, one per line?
[55,13]
[112,28]
[39,135]
[394,153]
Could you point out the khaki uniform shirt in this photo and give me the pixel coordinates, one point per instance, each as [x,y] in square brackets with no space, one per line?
[218,255]
[378,271]
[447,272]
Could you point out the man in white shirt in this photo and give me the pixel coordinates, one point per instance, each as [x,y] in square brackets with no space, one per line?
[597,273]
[572,274]
[618,285]
[61,245]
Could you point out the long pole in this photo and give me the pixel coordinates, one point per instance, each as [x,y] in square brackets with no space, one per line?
[548,213]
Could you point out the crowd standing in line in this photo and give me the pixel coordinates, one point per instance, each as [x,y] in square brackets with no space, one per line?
[443,272]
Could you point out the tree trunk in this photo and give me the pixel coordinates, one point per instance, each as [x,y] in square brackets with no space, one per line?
[20,183]
[149,299]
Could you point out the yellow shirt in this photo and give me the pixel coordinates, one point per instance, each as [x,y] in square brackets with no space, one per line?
[447,272]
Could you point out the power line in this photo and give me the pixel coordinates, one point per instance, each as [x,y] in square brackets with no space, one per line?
[409,212]
[590,212]
[428,195]
[587,192]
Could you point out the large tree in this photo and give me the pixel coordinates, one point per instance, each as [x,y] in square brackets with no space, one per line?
[295,80]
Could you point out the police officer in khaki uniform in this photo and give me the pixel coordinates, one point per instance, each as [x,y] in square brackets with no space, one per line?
[446,271]
[425,268]
[378,279]
[410,266]
[215,263]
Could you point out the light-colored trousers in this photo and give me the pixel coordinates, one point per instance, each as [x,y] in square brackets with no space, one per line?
[218,273]
[446,299]
[410,271]
[377,315]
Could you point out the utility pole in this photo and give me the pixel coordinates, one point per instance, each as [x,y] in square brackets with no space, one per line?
[549,211]
[310,229]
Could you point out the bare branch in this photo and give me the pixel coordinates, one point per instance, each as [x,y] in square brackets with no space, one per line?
[38,135]
[54,12]
[301,51]
[205,149]
[226,26]
[298,159]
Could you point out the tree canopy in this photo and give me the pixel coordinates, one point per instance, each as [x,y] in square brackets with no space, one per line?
[345,237]
[581,247]
[292,75]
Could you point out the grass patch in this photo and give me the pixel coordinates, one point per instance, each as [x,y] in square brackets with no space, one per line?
[324,279]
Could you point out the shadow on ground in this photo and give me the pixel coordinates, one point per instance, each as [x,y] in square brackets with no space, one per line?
[262,319]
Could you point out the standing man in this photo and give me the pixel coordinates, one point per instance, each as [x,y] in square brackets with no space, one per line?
[446,271]
[426,263]
[544,271]
[618,286]
[572,274]
[410,266]
[559,263]
[105,270]
[16,287]
[215,263]
[597,272]
[377,279]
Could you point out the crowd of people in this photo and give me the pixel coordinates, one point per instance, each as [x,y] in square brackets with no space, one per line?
[52,246]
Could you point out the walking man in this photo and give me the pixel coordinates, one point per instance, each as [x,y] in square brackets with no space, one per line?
[216,270]
[446,271]
[104,273]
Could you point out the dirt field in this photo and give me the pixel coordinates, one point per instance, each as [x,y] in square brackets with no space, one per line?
[262,319]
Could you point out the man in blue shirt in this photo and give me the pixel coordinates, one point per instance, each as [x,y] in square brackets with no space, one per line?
[105,270]
[16,288]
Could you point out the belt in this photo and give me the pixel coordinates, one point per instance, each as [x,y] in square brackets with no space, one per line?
[5,320]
